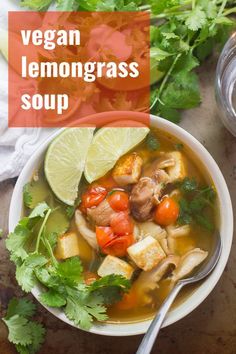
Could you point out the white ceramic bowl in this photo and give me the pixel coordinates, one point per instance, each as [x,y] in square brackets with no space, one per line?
[226,228]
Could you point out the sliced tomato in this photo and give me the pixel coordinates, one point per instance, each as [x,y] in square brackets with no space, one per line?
[118,246]
[93,197]
[104,235]
[121,223]
[167,212]
[118,200]
[113,244]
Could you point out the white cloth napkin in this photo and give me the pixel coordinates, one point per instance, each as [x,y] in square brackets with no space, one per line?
[16,144]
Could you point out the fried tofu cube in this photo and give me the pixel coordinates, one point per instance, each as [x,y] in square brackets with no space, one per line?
[67,246]
[128,169]
[115,265]
[178,171]
[146,254]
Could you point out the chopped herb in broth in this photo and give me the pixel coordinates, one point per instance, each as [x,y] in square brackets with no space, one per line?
[114,255]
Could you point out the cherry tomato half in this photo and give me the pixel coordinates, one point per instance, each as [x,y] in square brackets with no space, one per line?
[121,223]
[167,212]
[93,197]
[118,246]
[104,235]
[118,200]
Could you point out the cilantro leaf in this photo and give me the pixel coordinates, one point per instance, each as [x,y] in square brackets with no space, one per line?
[66,5]
[194,203]
[19,330]
[182,91]
[188,184]
[21,307]
[70,269]
[39,210]
[196,19]
[110,287]
[25,273]
[52,298]
[36,5]
[17,240]
[37,338]
[110,280]
[158,54]
[152,142]
[70,210]
[27,335]
[27,198]
[81,309]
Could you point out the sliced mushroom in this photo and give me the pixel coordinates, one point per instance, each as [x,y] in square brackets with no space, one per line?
[148,281]
[85,231]
[178,231]
[165,245]
[188,262]
[149,228]
[165,161]
[160,163]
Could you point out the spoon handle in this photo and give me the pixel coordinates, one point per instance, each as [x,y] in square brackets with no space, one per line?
[153,330]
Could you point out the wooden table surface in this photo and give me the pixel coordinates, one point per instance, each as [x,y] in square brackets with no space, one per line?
[211,328]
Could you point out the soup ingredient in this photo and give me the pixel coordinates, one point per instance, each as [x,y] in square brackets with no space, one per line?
[152,142]
[128,301]
[194,202]
[118,200]
[102,214]
[108,145]
[116,238]
[151,228]
[93,197]
[65,161]
[63,280]
[178,171]
[166,212]
[85,231]
[121,223]
[114,265]
[147,253]
[148,281]
[27,335]
[178,231]
[188,262]
[67,246]
[127,169]
[111,243]
[142,198]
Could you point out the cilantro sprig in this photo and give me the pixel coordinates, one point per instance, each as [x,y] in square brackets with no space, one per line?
[31,248]
[27,335]
[194,202]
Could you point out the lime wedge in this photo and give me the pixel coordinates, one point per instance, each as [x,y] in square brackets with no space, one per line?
[65,160]
[108,145]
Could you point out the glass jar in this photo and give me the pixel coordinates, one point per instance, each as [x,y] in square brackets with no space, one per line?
[226,84]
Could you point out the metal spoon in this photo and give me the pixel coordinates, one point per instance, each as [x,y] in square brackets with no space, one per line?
[207,267]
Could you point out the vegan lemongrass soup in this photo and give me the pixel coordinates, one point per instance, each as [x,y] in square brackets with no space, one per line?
[179,218]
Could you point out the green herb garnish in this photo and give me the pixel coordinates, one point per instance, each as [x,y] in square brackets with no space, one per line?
[194,202]
[64,283]
[27,335]
[152,142]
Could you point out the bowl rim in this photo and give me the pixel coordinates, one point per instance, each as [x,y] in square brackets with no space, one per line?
[226,228]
